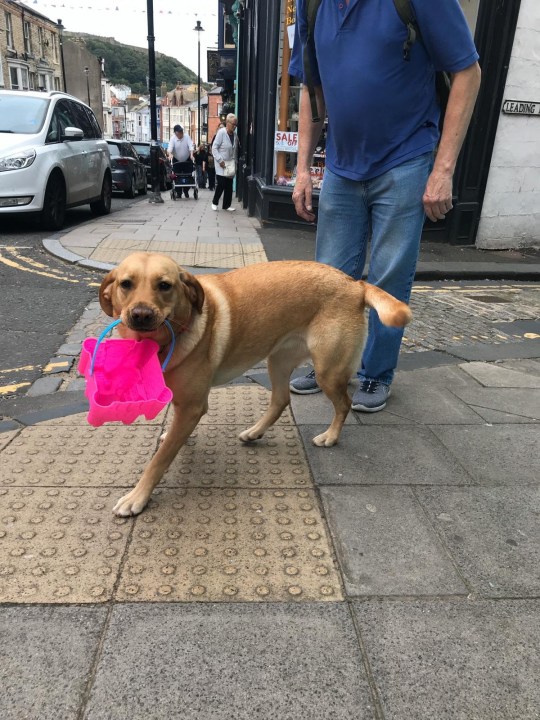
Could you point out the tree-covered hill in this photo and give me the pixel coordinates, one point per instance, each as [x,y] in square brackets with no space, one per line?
[128,65]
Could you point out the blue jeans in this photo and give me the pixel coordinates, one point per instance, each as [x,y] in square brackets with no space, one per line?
[387,210]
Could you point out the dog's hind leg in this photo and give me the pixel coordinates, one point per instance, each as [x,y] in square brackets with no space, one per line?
[334,385]
[280,367]
[184,422]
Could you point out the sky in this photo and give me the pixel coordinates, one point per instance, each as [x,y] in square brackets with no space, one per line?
[126,21]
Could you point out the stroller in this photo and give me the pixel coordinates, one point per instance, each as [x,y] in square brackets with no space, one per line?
[183,177]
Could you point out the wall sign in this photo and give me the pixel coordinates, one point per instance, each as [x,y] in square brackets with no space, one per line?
[521,107]
[286,141]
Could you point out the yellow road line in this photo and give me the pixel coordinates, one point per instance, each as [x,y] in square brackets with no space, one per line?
[17,266]
[12,388]
[19,369]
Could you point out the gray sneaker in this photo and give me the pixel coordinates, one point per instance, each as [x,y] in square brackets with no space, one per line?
[370,396]
[306,385]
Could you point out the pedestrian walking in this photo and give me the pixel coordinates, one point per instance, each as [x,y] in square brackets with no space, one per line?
[201,163]
[225,152]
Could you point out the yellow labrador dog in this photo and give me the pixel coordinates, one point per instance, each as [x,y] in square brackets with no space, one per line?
[225,323]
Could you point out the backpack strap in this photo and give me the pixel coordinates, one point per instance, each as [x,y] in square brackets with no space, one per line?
[312,7]
[406,15]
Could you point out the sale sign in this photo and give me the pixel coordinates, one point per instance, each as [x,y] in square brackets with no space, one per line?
[286,141]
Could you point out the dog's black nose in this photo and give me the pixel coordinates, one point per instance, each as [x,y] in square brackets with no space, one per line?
[142,317]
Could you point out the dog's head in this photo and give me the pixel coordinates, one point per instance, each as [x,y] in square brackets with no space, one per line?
[148,288]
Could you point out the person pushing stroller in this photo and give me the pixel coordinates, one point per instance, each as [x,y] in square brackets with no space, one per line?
[180,148]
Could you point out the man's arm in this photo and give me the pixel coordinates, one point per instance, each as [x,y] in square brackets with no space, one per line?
[438,193]
[308,136]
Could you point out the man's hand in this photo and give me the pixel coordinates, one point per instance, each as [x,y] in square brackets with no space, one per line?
[437,197]
[302,195]
[222,164]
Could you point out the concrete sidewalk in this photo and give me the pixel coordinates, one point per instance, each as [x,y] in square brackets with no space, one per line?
[392,576]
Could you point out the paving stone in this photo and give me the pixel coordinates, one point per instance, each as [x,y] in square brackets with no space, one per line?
[47,654]
[395,454]
[519,401]
[495,376]
[214,457]
[59,545]
[74,456]
[44,386]
[492,533]
[385,544]
[233,405]
[316,410]
[223,545]
[498,455]
[7,436]
[454,659]
[230,661]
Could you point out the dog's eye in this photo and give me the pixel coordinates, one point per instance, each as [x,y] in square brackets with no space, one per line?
[164,286]
[126,284]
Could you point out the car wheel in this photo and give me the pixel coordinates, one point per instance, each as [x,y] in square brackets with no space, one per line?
[144,187]
[130,193]
[53,214]
[103,205]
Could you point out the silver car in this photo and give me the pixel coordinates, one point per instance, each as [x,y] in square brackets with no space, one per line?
[52,157]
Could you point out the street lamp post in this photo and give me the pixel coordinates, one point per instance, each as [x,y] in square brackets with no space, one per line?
[199,29]
[155,197]
[87,71]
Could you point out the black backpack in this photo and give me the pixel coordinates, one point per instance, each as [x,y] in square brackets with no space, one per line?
[406,15]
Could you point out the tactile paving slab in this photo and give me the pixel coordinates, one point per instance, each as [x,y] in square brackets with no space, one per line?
[215,457]
[59,545]
[240,404]
[230,545]
[78,456]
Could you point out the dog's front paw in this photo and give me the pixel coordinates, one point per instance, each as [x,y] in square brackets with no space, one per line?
[249,435]
[131,504]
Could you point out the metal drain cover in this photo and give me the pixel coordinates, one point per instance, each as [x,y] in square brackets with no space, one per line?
[490,298]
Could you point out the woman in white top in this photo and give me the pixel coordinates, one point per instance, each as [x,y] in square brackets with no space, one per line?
[225,152]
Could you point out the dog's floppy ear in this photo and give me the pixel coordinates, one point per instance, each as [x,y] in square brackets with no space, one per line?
[194,289]
[105,293]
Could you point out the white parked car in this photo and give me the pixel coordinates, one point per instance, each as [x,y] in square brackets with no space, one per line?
[52,157]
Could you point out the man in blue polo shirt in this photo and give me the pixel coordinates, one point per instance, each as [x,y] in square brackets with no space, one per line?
[382,174]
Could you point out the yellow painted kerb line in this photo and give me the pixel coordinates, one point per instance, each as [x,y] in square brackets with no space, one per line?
[6,389]
[18,266]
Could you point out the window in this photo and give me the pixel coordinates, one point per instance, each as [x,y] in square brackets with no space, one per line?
[56,83]
[19,77]
[41,41]
[54,41]
[32,81]
[9,31]
[27,29]
[81,119]
[42,82]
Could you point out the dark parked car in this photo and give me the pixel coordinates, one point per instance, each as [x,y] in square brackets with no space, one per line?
[128,171]
[165,167]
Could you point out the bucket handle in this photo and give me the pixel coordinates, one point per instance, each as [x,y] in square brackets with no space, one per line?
[110,328]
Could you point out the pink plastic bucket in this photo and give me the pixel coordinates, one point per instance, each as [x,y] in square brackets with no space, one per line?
[123,379]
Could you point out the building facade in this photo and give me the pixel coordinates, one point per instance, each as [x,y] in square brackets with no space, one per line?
[30,49]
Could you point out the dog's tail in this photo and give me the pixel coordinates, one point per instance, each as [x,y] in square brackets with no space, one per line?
[391,312]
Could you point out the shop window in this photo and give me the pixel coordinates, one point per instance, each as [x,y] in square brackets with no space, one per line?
[287,114]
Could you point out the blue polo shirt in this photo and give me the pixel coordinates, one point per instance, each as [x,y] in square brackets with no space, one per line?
[382,110]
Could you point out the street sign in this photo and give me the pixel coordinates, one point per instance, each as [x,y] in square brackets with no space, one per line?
[521,107]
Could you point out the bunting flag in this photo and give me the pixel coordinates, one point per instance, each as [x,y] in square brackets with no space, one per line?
[112,7]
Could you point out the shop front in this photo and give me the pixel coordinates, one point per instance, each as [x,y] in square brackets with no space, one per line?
[268,108]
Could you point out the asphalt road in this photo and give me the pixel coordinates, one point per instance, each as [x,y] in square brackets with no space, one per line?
[41,298]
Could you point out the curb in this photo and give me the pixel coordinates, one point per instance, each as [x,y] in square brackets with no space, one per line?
[425,271]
